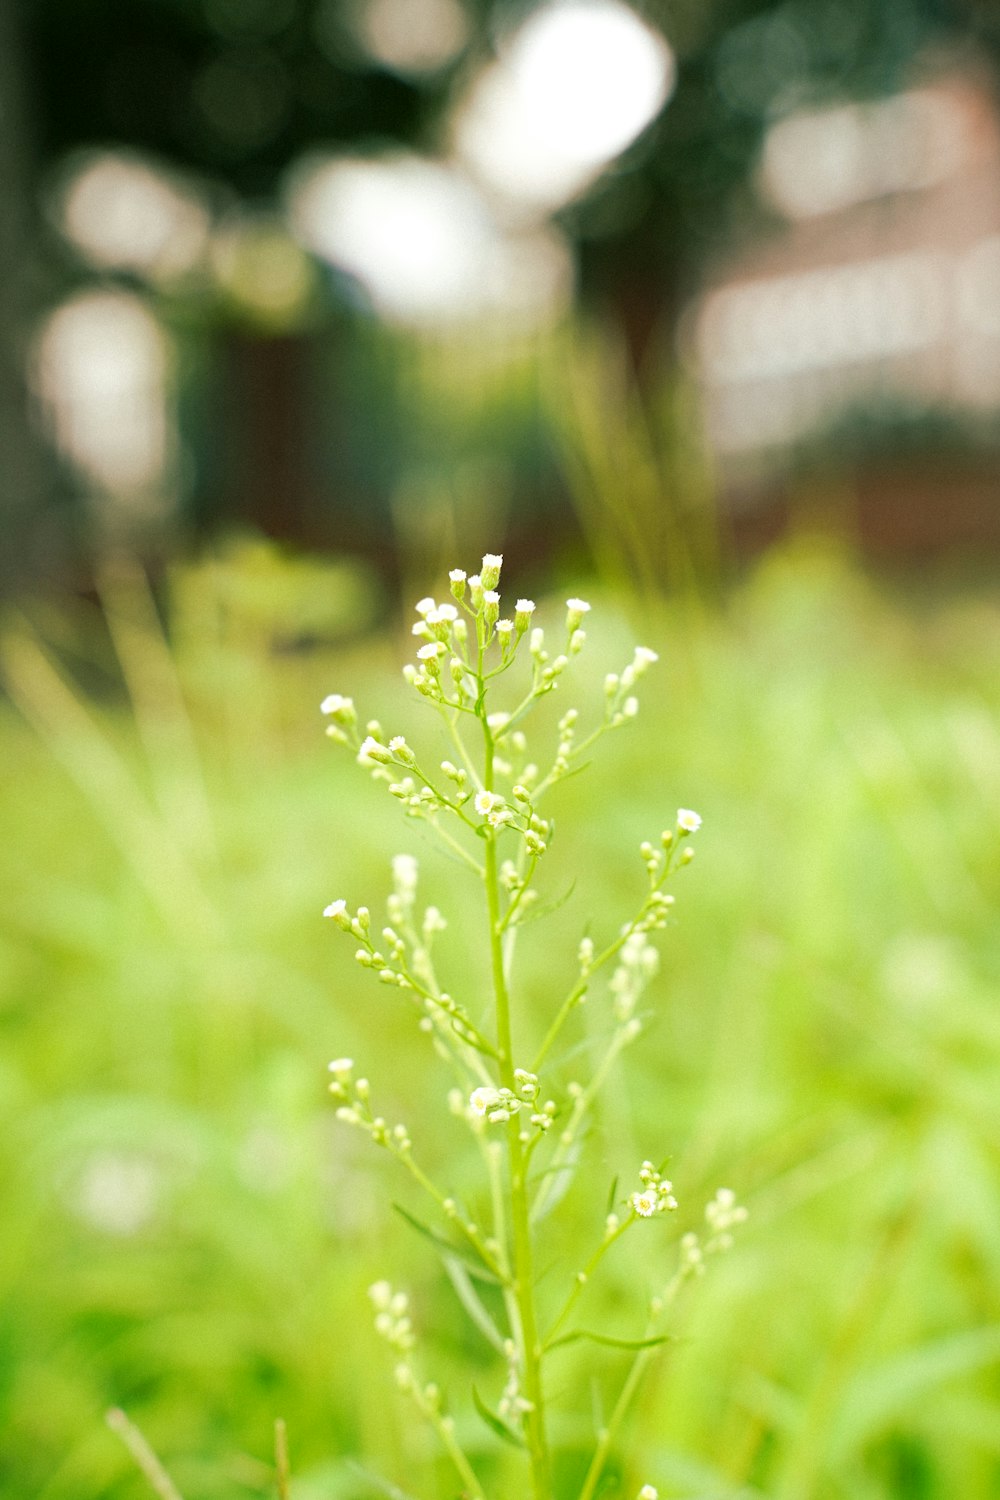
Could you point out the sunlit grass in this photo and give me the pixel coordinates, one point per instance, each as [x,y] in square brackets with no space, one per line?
[188,1235]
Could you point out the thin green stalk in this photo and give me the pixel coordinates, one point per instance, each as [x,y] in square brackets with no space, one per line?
[568,1138]
[453,844]
[445,1429]
[460,746]
[581,1279]
[143,1454]
[281,1465]
[534,1417]
[626,1396]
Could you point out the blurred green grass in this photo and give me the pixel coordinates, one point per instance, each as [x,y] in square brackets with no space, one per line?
[188,1233]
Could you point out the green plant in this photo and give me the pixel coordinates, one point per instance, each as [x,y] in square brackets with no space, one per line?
[529,1124]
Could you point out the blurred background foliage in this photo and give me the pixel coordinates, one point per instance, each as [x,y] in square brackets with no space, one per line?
[299,309]
[296,264]
[189,1233]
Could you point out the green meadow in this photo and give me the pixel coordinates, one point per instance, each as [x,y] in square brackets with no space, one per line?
[188,1233]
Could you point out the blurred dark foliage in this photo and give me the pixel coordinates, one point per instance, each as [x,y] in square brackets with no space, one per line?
[235,91]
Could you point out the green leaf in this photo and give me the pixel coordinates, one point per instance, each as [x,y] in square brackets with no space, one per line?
[445,1248]
[605,1338]
[558,1178]
[612,1196]
[544,909]
[471,1037]
[384,1486]
[494,1423]
[471,1301]
[879,1394]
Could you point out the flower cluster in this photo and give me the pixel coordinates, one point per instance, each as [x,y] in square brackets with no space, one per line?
[639,963]
[656,1196]
[498,1105]
[353,1097]
[722,1215]
[487,799]
[392,1316]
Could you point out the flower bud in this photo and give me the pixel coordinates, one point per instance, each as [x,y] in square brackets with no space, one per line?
[490,570]
[575,611]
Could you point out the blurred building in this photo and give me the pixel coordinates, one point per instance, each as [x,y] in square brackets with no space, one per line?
[871,315]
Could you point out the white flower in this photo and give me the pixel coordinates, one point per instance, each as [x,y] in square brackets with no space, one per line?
[649,1492]
[337,704]
[373,750]
[336,910]
[665,1190]
[491,597]
[404,873]
[342,1065]
[432,650]
[575,611]
[486,802]
[645,1203]
[444,614]
[458,575]
[723,1213]
[490,570]
[643,658]
[482,1100]
[688,821]
[424,606]
[525,606]
[630,707]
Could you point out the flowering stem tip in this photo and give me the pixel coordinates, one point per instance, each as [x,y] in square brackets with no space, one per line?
[484,671]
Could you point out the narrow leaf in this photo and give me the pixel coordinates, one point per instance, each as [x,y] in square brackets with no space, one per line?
[384,1486]
[467,1032]
[444,1246]
[494,1423]
[604,1338]
[557,1183]
[471,1301]
[543,909]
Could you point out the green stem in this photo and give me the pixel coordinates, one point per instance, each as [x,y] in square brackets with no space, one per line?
[627,1394]
[445,1429]
[582,1278]
[473,1236]
[534,1417]
[567,1140]
[454,845]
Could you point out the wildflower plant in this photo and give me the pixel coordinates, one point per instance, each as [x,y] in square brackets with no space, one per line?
[487,804]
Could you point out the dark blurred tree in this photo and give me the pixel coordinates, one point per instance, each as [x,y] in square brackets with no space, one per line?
[237,90]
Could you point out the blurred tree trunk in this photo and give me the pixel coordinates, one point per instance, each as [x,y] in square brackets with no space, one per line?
[24,469]
[266,431]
